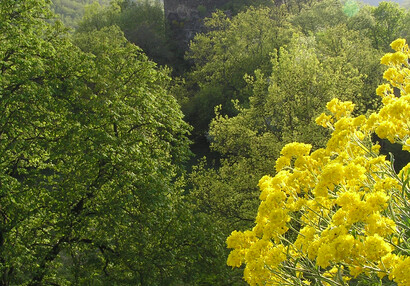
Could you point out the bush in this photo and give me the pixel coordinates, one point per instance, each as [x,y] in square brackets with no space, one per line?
[340,213]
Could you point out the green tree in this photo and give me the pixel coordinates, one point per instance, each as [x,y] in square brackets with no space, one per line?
[71,11]
[388,24]
[348,49]
[141,21]
[382,24]
[221,57]
[91,147]
[318,16]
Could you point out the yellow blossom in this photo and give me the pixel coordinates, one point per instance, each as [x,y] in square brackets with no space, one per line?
[282,162]
[375,247]
[296,149]
[385,60]
[399,58]
[378,224]
[401,273]
[390,74]
[384,89]
[340,108]
[325,255]
[398,44]
[386,263]
[324,120]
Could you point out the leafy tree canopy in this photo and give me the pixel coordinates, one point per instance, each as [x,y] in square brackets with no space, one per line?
[141,21]
[71,11]
[91,146]
[382,24]
[230,49]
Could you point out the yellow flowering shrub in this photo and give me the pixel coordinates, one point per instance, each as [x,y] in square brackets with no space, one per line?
[340,213]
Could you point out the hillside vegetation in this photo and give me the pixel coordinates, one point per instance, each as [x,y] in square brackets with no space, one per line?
[274,152]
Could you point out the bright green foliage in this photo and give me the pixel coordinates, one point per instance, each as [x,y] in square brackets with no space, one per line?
[389,22]
[351,7]
[91,144]
[232,45]
[299,85]
[222,56]
[237,46]
[71,11]
[348,50]
[382,24]
[281,109]
[319,16]
[141,21]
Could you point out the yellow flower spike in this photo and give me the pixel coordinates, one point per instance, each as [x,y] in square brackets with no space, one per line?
[387,100]
[385,131]
[399,58]
[386,263]
[371,122]
[404,172]
[276,255]
[375,247]
[340,217]
[359,121]
[281,163]
[332,174]
[376,148]
[390,74]
[339,108]
[239,239]
[385,60]
[296,149]
[305,237]
[265,181]
[265,192]
[344,246]
[398,44]
[377,201]
[236,258]
[386,184]
[325,255]
[380,225]
[384,89]
[324,120]
[401,272]
[354,172]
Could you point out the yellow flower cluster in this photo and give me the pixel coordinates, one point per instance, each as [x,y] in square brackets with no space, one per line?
[336,213]
[392,121]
